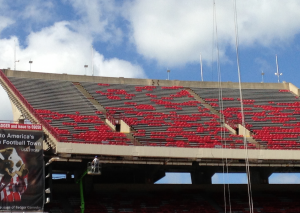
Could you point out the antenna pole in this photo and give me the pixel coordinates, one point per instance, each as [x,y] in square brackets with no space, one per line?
[277,73]
[92,61]
[30,62]
[85,66]
[262,76]
[201,68]
[15,55]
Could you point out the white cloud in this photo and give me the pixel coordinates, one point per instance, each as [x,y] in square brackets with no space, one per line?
[57,49]
[38,11]
[5,22]
[115,67]
[97,19]
[176,32]
[5,107]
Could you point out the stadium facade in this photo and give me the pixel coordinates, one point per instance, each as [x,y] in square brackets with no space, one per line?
[143,128]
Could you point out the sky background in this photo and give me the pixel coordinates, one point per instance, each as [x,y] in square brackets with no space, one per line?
[143,39]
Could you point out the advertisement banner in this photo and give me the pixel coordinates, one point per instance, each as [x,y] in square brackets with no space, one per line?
[21,170]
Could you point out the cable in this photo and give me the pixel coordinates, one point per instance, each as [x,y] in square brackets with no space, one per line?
[242,108]
[221,108]
[212,44]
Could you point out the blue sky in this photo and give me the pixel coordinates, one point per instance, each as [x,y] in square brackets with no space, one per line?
[142,39]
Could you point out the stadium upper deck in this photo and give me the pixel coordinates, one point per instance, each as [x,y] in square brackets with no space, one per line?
[158,118]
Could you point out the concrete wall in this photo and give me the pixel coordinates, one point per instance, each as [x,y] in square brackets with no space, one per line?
[110,124]
[294,89]
[124,127]
[243,131]
[16,112]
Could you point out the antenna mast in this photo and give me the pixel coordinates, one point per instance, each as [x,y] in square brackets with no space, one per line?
[85,67]
[262,76]
[277,73]
[15,55]
[92,61]
[201,68]
[30,62]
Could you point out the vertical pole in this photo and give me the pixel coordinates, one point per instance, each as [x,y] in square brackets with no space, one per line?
[277,68]
[30,62]
[15,60]
[201,68]
[92,61]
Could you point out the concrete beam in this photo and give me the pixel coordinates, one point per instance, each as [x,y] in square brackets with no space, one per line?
[176,152]
[201,174]
[134,81]
[260,175]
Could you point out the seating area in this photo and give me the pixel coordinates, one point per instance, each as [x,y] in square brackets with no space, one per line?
[271,115]
[161,115]
[164,116]
[69,114]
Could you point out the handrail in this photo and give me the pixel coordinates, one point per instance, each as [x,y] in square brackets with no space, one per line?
[28,106]
[111,118]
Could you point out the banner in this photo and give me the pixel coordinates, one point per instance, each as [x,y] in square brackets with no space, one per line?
[21,170]
[36,127]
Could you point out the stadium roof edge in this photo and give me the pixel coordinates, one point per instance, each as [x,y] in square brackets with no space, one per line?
[150,82]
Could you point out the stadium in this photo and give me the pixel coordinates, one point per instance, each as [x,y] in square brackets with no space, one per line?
[142,128]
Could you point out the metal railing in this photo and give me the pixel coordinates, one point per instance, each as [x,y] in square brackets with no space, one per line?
[93,169]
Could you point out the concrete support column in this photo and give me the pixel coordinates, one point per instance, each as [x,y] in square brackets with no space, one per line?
[154,174]
[260,175]
[68,176]
[201,174]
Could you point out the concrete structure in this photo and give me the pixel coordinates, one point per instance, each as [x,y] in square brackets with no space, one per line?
[202,163]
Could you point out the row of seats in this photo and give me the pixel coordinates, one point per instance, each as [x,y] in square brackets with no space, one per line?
[158,110]
[262,109]
[70,115]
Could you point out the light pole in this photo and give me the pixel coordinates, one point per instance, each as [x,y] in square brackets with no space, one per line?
[262,76]
[277,73]
[168,71]
[85,67]
[30,62]
[201,69]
